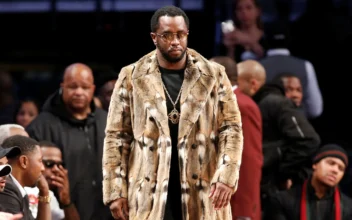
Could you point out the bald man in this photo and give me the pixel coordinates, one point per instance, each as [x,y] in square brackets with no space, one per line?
[71,120]
[251,76]
[289,140]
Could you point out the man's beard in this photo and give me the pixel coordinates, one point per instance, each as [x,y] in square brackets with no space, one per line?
[167,57]
[2,189]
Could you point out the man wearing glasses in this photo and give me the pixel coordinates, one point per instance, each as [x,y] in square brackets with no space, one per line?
[61,206]
[173,141]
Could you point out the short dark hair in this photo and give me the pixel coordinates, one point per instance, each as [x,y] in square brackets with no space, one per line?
[48,144]
[171,11]
[26,144]
[286,74]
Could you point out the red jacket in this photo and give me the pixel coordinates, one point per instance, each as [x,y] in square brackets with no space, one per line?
[246,201]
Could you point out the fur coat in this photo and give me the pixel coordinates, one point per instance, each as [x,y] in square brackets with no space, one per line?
[137,147]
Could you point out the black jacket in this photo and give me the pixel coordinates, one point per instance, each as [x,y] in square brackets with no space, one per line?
[289,140]
[285,205]
[11,200]
[81,142]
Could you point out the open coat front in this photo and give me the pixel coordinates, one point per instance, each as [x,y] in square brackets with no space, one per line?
[137,150]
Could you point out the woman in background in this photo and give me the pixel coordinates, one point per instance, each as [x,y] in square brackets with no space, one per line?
[27,111]
[246,41]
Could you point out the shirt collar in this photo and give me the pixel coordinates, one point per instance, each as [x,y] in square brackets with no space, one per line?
[23,192]
[278,51]
[234,87]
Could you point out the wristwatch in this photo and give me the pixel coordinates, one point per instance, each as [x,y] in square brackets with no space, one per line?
[45,199]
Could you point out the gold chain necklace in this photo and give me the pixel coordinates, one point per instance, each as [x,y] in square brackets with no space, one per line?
[174,115]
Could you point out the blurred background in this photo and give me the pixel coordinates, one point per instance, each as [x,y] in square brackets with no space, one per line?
[41,37]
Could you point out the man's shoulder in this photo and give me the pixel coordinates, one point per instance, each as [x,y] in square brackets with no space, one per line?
[45,115]
[100,112]
[244,99]
[346,200]
[271,59]
[201,61]
[41,121]
[10,190]
[246,102]
[290,194]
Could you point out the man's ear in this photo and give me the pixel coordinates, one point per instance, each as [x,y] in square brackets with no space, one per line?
[153,36]
[24,161]
[314,166]
[254,84]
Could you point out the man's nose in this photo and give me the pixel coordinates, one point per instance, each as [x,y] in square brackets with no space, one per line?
[175,39]
[335,169]
[42,168]
[79,90]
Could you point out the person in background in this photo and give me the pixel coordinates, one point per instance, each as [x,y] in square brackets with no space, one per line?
[319,197]
[5,170]
[27,110]
[27,171]
[57,176]
[246,41]
[105,93]
[289,140]
[8,130]
[279,60]
[293,88]
[77,127]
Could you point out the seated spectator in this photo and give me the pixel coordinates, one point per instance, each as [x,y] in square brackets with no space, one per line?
[27,171]
[319,197]
[27,111]
[5,170]
[57,178]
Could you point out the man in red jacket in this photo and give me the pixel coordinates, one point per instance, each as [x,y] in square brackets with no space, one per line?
[245,203]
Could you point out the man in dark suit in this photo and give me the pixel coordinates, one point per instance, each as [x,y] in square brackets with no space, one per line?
[245,203]
[5,170]
[26,171]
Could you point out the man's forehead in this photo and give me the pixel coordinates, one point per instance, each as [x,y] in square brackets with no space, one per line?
[51,151]
[335,159]
[78,71]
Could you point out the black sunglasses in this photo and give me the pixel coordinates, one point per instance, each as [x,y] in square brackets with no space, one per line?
[51,163]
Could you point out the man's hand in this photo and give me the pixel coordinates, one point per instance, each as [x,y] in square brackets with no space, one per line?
[220,194]
[9,216]
[43,186]
[60,180]
[119,209]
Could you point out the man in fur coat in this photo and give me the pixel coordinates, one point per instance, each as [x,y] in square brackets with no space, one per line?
[173,142]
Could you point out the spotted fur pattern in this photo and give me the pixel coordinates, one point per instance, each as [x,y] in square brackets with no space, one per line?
[137,149]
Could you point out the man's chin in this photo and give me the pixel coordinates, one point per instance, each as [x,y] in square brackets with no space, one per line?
[330,184]
[2,189]
[78,107]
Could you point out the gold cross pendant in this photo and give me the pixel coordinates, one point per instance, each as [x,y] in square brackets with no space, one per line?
[174,116]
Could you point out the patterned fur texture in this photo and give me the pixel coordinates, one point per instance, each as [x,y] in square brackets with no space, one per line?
[137,149]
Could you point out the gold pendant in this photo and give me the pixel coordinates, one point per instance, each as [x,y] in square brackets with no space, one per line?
[174,116]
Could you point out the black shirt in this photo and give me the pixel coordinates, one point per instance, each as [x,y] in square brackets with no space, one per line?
[173,80]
